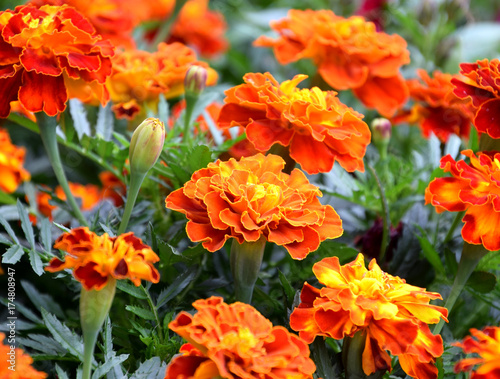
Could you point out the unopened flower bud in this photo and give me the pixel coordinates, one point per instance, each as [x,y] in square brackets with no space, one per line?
[195,80]
[146,145]
[381,130]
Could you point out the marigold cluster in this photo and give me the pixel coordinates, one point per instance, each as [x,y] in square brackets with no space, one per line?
[392,314]
[475,189]
[316,126]
[22,363]
[139,77]
[481,84]
[437,109]
[236,341]
[50,54]
[94,259]
[251,198]
[349,54]
[486,344]
[11,164]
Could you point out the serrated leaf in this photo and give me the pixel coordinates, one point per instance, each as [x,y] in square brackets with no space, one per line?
[13,254]
[36,262]
[79,116]
[181,282]
[482,281]
[62,334]
[4,240]
[61,374]
[25,311]
[45,234]
[146,314]
[199,157]
[104,124]
[41,300]
[26,224]
[42,343]
[102,370]
[9,230]
[136,292]
[153,368]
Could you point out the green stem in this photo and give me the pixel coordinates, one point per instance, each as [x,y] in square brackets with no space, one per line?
[89,341]
[135,184]
[385,217]
[320,356]
[155,312]
[188,113]
[454,225]
[352,357]
[166,24]
[47,127]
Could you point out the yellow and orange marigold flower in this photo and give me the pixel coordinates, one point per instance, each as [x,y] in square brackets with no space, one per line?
[437,109]
[316,126]
[349,54]
[94,259]
[392,314]
[475,189]
[481,84]
[251,198]
[12,172]
[139,77]
[50,54]
[486,344]
[236,341]
[21,362]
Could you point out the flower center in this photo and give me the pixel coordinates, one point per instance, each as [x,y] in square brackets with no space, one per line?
[243,339]
[265,197]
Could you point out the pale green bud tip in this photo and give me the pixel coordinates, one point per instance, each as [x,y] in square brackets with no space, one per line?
[195,80]
[381,129]
[146,145]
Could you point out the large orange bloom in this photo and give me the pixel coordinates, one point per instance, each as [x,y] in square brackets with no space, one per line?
[48,55]
[94,259]
[475,189]
[486,344]
[139,77]
[318,128]
[11,164]
[349,54]
[20,368]
[392,314]
[437,109]
[236,341]
[252,198]
[482,85]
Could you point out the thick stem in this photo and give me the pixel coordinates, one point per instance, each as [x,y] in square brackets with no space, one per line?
[48,134]
[352,357]
[135,184]
[188,113]
[246,259]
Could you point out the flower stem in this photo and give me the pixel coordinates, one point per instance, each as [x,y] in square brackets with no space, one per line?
[385,217]
[48,134]
[188,113]
[135,184]
[155,312]
[246,259]
[454,225]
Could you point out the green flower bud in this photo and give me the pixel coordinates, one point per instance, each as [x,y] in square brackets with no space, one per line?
[195,80]
[146,145]
[381,130]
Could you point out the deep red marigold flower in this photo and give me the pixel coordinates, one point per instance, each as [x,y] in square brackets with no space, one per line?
[139,77]
[50,54]
[11,164]
[393,315]
[236,341]
[482,85]
[437,109]
[318,128]
[22,363]
[475,189]
[486,344]
[251,198]
[349,54]
[95,258]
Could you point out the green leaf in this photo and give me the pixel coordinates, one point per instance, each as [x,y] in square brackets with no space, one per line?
[181,282]
[146,314]
[62,227]
[482,281]
[36,262]
[199,157]
[79,116]
[62,334]
[104,124]
[13,254]
[287,288]
[24,310]
[60,373]
[429,252]
[45,234]
[131,289]
[102,370]
[5,198]
[153,368]
[107,229]
[42,343]
[451,261]
[9,230]
[41,300]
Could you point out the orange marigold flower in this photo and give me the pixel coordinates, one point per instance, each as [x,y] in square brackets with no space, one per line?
[251,198]
[112,188]
[139,77]
[486,344]
[318,128]
[349,54]
[392,314]
[95,258]
[481,83]
[11,164]
[21,361]
[89,194]
[475,189]
[50,54]
[438,109]
[236,341]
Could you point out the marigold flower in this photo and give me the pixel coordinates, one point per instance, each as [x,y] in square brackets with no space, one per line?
[112,187]
[11,164]
[393,315]
[50,54]
[251,198]
[94,259]
[437,108]
[482,85]
[316,126]
[236,341]
[18,359]
[139,77]
[486,344]
[89,194]
[349,54]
